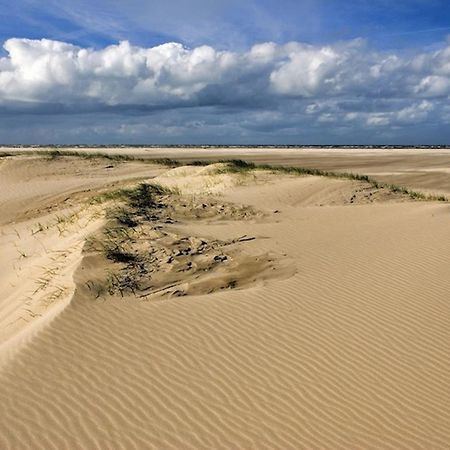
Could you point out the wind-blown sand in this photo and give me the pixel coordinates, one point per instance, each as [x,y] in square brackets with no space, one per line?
[328,330]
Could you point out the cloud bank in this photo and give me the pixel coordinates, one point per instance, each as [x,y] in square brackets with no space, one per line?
[283,89]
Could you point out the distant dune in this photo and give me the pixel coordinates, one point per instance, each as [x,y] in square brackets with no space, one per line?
[221,306]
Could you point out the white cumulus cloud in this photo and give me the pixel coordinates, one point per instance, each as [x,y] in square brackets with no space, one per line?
[49,71]
[293,86]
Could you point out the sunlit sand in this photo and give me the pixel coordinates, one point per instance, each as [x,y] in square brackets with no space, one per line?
[222,306]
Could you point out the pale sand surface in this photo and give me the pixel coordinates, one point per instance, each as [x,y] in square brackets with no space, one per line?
[343,346]
[44,222]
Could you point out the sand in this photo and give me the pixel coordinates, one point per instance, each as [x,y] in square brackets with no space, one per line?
[422,169]
[300,312]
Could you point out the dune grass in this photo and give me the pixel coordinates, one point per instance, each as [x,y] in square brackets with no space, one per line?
[136,206]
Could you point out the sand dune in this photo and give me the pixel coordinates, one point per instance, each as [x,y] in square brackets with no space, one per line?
[346,351]
[46,218]
[31,184]
[425,170]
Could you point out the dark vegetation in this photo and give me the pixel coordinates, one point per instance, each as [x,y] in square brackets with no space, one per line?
[140,205]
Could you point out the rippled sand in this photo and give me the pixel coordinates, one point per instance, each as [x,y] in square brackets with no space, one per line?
[343,346]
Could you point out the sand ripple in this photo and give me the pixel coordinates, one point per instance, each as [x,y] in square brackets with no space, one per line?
[351,352]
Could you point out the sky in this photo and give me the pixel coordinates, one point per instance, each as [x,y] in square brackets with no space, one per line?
[225,72]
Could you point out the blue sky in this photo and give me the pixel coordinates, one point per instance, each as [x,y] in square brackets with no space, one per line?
[228,24]
[355,72]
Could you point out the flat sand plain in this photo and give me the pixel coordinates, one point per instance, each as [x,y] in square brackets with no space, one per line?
[271,311]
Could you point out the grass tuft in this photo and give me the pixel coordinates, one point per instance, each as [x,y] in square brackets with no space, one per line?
[239,165]
[118,254]
[124,217]
[200,162]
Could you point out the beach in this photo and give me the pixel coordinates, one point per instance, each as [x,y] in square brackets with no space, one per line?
[192,302]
